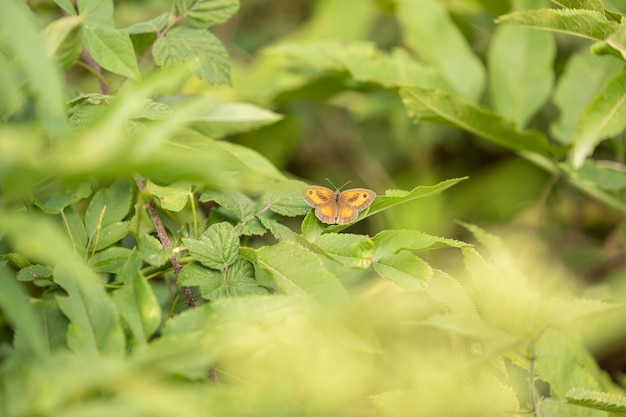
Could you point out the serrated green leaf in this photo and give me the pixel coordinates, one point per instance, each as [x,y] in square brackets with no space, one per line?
[62,199]
[206,13]
[217,248]
[605,401]
[173,197]
[112,49]
[238,280]
[136,302]
[603,118]
[354,251]
[63,40]
[110,260]
[520,69]
[109,235]
[34,272]
[237,203]
[277,230]
[389,242]
[232,118]
[585,23]
[405,270]
[199,49]
[153,25]
[285,198]
[437,105]
[581,80]
[423,21]
[94,326]
[17,310]
[151,250]
[112,203]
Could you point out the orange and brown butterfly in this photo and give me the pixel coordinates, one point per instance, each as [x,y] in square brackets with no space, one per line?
[337,207]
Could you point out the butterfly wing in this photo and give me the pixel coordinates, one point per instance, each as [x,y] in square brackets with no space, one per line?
[323,200]
[352,202]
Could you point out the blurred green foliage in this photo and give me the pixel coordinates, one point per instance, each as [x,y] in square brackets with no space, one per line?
[152,156]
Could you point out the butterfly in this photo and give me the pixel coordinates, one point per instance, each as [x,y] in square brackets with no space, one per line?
[337,207]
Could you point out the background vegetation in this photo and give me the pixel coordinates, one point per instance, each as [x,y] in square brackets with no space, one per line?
[158,259]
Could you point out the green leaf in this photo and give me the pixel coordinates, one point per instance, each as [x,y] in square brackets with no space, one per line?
[605,401]
[136,302]
[63,39]
[109,235]
[617,40]
[433,104]
[111,203]
[423,21]
[112,49]
[67,5]
[94,326]
[110,260]
[34,272]
[153,25]
[285,198]
[97,11]
[582,79]
[297,270]
[151,250]
[206,13]
[76,230]
[238,280]
[237,203]
[596,5]
[584,23]
[62,199]
[217,248]
[603,118]
[199,49]
[232,118]
[521,74]
[603,177]
[354,251]
[173,197]
[18,311]
[278,230]
[390,242]
[405,270]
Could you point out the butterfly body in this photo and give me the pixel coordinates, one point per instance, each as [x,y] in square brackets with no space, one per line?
[337,207]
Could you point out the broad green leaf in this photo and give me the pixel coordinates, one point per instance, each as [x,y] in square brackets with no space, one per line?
[110,204]
[354,251]
[20,314]
[217,248]
[285,198]
[112,49]
[238,280]
[206,13]
[54,322]
[23,43]
[232,118]
[61,199]
[297,270]
[237,203]
[198,49]
[423,21]
[151,250]
[94,325]
[110,260]
[581,80]
[277,230]
[109,235]
[136,302]
[34,272]
[405,270]
[596,5]
[63,39]
[448,292]
[76,230]
[97,11]
[84,108]
[67,5]
[173,197]
[584,23]
[390,242]
[606,178]
[442,106]
[153,25]
[617,40]
[520,67]
[598,400]
[603,118]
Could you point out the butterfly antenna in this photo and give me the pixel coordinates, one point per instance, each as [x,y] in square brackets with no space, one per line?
[345,184]
[331,183]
